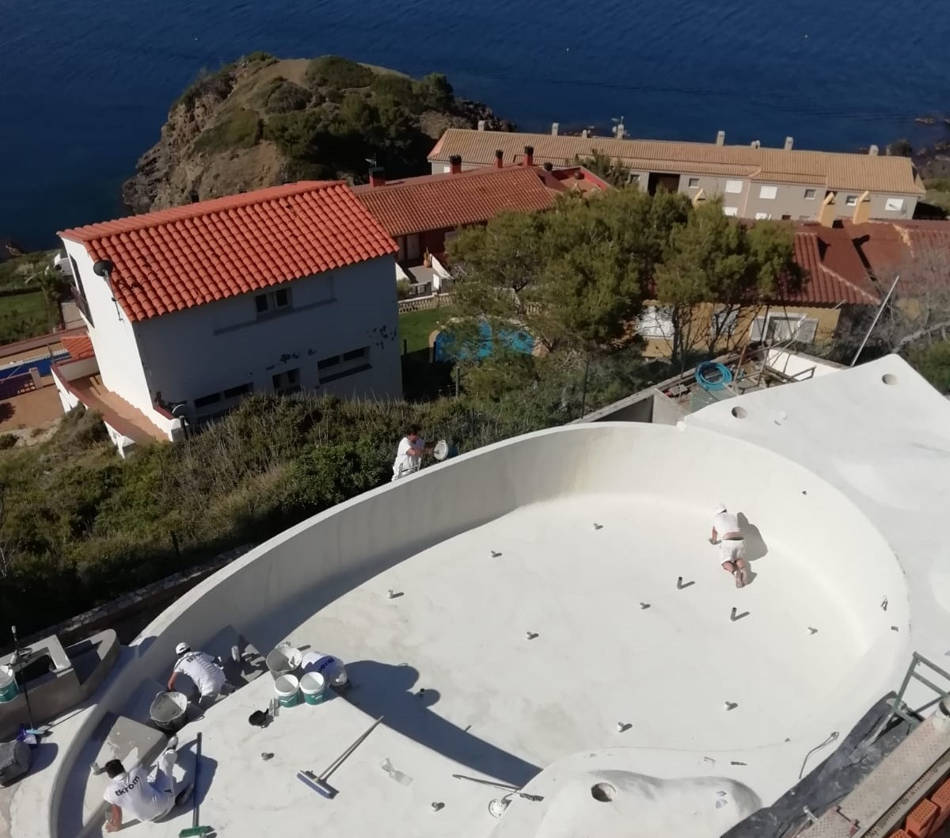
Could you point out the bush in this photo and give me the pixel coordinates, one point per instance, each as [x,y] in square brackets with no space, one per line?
[287,96]
[239,128]
[337,72]
[434,92]
[402,289]
[8,441]
[218,85]
[398,88]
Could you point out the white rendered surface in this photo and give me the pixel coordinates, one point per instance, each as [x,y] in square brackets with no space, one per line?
[459,617]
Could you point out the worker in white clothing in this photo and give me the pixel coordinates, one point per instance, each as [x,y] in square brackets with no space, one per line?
[727,534]
[409,453]
[205,674]
[132,795]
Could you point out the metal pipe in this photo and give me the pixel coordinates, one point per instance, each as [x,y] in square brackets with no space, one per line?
[877,317]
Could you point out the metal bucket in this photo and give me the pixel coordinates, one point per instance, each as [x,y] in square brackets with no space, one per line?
[169,711]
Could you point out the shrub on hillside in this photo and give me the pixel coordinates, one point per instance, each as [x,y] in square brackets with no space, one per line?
[280,95]
[8,441]
[338,72]
[240,128]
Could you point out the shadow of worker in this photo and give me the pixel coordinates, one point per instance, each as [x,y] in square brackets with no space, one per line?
[380,689]
[755,546]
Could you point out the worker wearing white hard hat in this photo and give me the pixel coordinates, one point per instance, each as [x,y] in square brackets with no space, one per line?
[728,535]
[201,668]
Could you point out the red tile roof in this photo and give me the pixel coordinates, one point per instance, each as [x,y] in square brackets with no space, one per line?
[183,257]
[78,346]
[835,273]
[918,250]
[447,201]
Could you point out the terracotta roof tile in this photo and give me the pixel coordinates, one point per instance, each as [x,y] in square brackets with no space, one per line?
[831,169]
[446,201]
[78,346]
[835,273]
[186,256]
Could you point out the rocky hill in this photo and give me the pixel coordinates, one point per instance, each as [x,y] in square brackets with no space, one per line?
[262,121]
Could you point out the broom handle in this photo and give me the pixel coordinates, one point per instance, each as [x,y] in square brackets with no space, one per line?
[336,763]
[194,815]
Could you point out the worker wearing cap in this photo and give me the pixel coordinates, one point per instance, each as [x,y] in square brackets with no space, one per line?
[727,534]
[204,673]
[132,794]
[409,453]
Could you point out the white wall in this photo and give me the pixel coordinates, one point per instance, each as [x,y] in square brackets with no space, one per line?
[210,348]
[112,336]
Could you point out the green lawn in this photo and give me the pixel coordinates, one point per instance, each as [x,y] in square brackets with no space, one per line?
[22,316]
[416,326]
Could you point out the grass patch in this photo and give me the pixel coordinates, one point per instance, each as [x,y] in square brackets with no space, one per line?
[338,72]
[416,326]
[15,272]
[23,316]
[240,128]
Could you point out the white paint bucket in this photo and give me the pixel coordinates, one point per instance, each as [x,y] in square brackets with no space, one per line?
[8,687]
[287,688]
[313,687]
[283,659]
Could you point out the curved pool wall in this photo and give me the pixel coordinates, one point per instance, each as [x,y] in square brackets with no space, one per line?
[269,591]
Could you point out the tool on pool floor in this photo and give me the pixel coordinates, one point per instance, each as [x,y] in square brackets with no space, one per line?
[318,782]
[194,829]
[514,790]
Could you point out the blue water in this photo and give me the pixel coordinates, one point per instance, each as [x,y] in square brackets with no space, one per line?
[85,87]
[513,340]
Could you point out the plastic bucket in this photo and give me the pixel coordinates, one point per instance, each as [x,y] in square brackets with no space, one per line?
[8,687]
[313,687]
[283,660]
[168,711]
[287,688]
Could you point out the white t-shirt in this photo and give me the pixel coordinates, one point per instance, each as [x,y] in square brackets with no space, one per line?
[405,462]
[725,523]
[137,799]
[207,676]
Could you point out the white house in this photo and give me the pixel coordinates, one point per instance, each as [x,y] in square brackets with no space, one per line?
[189,309]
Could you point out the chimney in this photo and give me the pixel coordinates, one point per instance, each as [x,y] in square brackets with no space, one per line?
[585,133]
[720,138]
[499,158]
[789,142]
[377,176]
[874,151]
[455,164]
[862,209]
[529,155]
[756,144]
[481,125]
[826,215]
[555,127]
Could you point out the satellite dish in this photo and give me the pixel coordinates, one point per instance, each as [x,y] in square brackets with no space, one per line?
[103,267]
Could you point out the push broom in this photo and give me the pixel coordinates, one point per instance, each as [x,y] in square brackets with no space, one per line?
[319,782]
[194,829]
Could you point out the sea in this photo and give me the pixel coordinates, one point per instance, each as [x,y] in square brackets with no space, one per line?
[85,86]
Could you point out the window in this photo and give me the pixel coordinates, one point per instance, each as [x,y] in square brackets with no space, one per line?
[204,401]
[694,183]
[894,205]
[234,392]
[810,194]
[786,217]
[795,328]
[655,322]
[731,210]
[81,301]
[287,382]
[733,187]
[851,200]
[272,301]
[723,322]
[768,193]
[762,216]
[633,178]
[340,366]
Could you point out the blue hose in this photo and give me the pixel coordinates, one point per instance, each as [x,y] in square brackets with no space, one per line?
[721,379]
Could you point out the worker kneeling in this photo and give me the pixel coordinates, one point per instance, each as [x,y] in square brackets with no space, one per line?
[204,673]
[727,534]
[132,795]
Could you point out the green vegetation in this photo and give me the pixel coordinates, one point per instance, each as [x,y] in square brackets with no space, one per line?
[938,193]
[933,363]
[8,441]
[282,96]
[241,128]
[219,83]
[416,326]
[23,316]
[30,293]
[336,71]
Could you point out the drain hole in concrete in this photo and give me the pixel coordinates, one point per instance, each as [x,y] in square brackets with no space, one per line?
[889,378]
[739,412]
[604,792]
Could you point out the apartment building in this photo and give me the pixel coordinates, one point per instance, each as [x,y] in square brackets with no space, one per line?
[752,181]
